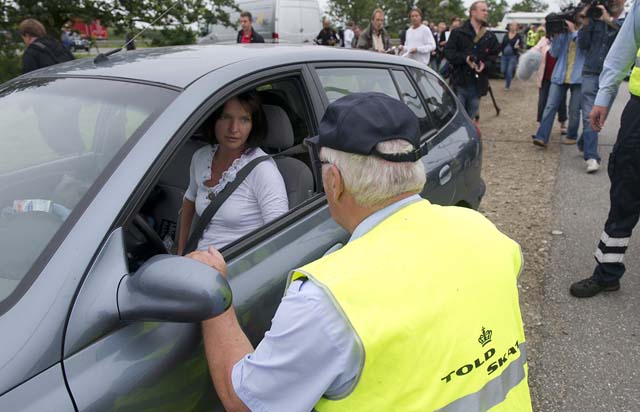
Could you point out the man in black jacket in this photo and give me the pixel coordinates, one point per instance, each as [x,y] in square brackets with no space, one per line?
[42,51]
[247,34]
[472,50]
[327,36]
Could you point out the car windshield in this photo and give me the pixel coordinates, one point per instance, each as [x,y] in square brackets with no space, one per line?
[56,137]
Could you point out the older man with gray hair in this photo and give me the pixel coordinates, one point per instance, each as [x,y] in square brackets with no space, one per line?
[419,311]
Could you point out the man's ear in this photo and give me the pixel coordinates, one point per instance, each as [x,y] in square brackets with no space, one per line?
[335,183]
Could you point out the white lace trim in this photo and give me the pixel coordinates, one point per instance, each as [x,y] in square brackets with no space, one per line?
[228,175]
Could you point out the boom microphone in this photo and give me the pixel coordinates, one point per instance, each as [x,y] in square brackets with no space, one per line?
[528,64]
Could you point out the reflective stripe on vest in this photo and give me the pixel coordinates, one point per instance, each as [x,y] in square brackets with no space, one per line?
[431,294]
[495,391]
[634,80]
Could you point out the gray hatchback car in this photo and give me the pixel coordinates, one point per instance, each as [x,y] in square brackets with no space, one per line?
[95,313]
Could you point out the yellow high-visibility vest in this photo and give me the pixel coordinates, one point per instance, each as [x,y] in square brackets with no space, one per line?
[634,80]
[431,294]
[531,38]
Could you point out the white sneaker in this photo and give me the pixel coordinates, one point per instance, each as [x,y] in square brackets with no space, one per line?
[592,166]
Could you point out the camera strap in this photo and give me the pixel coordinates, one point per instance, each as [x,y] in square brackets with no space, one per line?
[479,35]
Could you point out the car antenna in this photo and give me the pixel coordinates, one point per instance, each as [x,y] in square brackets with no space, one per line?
[103,57]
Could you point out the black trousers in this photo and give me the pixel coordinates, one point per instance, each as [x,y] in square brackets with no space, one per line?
[543,95]
[624,172]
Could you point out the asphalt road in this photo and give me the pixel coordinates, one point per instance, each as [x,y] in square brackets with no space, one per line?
[589,354]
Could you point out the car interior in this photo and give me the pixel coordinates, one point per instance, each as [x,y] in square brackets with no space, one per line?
[287,126]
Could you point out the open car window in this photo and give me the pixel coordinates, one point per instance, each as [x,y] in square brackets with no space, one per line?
[58,136]
[288,120]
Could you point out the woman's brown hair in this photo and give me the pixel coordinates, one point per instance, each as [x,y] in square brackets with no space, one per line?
[250,101]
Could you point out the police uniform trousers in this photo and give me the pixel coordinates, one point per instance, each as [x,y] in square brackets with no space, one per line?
[624,172]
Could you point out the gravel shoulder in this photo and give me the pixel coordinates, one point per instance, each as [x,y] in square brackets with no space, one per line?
[520,182]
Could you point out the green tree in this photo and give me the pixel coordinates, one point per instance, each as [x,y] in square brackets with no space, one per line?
[357,10]
[497,10]
[438,10]
[530,6]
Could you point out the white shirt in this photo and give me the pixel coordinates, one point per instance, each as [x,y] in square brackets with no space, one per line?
[310,350]
[348,38]
[259,199]
[421,39]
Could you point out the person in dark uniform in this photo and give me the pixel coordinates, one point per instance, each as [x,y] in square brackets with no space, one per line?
[624,162]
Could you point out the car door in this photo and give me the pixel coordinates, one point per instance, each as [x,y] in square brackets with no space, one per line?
[160,366]
[458,135]
[335,80]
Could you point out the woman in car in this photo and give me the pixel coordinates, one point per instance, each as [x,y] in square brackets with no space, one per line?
[239,128]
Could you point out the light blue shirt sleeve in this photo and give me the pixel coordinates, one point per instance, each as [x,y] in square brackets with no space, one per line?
[620,57]
[310,351]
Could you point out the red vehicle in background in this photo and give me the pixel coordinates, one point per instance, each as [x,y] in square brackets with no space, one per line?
[93,30]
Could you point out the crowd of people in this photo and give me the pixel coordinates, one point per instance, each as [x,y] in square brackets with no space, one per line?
[572,62]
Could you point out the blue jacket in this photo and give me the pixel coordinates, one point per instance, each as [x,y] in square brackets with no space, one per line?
[596,39]
[560,50]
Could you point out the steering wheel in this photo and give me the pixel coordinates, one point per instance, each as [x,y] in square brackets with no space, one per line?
[151,235]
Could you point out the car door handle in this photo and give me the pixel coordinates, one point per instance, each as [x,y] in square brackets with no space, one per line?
[445,175]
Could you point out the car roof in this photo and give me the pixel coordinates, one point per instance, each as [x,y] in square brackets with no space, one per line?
[179,66]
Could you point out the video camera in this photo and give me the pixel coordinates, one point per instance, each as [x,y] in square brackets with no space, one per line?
[555,22]
[594,12]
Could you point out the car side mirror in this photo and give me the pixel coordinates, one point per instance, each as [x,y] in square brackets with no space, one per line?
[173,289]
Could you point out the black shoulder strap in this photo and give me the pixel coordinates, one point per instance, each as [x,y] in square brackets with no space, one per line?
[210,211]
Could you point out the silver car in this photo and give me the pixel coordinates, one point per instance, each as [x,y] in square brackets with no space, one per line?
[95,313]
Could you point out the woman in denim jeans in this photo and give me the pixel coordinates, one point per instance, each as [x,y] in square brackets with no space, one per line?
[510,48]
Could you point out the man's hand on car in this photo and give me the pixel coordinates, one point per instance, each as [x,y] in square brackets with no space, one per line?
[211,257]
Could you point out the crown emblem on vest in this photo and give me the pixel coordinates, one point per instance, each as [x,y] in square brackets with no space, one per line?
[485,337]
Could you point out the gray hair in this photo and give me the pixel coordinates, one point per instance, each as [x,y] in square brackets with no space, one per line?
[372,180]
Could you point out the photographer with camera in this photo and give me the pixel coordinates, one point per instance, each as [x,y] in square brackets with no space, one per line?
[471,50]
[602,20]
[567,75]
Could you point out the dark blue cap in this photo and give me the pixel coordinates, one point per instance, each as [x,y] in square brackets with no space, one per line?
[356,123]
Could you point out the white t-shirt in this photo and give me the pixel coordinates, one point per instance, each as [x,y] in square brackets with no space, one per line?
[259,199]
[421,39]
[348,38]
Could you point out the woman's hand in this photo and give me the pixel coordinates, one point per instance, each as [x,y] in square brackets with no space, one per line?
[211,257]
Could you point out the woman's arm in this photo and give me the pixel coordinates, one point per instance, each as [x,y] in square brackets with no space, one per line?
[186,217]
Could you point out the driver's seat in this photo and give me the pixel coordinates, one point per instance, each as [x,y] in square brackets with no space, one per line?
[297,176]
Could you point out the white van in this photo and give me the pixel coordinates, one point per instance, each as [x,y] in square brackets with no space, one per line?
[522,17]
[278,21]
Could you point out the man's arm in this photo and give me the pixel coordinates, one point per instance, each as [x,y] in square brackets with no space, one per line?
[586,33]
[429,43]
[363,41]
[225,345]
[620,57]
[224,341]
[308,338]
[494,51]
[451,52]
[558,44]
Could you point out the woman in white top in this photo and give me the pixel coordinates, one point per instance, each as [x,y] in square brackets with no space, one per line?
[238,129]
